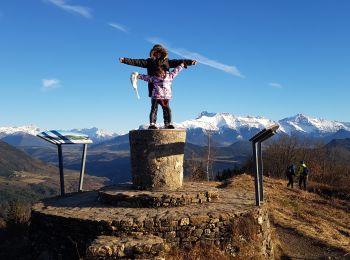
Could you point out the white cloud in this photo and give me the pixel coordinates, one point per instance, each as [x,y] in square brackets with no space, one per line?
[77,9]
[119,27]
[198,57]
[275,85]
[50,84]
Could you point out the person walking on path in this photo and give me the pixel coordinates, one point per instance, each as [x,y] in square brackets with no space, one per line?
[161,94]
[290,172]
[158,58]
[303,173]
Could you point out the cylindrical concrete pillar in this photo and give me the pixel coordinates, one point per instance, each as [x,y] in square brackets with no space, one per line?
[157,158]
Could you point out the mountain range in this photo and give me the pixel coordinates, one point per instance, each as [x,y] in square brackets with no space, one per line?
[224,128]
[229,135]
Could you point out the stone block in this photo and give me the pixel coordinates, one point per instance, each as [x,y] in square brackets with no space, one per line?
[184,221]
[198,232]
[196,220]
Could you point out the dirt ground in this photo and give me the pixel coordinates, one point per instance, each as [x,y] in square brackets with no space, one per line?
[292,245]
[306,225]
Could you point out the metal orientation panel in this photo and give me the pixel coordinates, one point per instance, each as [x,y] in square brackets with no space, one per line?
[64,137]
[60,138]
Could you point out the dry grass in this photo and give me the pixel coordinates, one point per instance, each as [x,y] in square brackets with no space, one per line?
[197,253]
[326,220]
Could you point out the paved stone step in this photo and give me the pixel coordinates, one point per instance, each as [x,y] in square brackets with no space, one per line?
[131,247]
[125,196]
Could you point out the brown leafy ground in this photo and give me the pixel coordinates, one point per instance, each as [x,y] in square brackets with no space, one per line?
[307,226]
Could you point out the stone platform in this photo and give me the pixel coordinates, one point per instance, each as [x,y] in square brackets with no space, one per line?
[69,226]
[125,196]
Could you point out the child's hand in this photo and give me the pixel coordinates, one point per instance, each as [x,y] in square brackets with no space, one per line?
[194,62]
[121,60]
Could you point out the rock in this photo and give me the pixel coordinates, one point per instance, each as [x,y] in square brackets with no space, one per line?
[184,221]
[198,232]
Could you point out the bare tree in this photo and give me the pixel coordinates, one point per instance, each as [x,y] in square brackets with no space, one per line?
[195,168]
[329,167]
[210,155]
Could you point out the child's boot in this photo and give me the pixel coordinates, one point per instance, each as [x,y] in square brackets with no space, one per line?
[169,126]
[152,126]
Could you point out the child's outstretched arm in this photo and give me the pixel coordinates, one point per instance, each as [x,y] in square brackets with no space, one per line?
[176,71]
[134,62]
[175,63]
[145,78]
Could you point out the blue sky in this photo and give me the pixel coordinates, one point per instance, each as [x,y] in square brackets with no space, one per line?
[59,59]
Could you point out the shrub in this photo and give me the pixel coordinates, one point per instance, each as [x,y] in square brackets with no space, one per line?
[17,217]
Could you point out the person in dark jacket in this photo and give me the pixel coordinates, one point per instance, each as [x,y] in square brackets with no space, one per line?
[290,172]
[158,58]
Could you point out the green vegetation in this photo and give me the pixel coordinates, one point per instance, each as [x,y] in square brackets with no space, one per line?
[15,191]
[229,173]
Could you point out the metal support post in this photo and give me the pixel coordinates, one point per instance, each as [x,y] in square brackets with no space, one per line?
[82,168]
[60,164]
[258,161]
[261,172]
[256,179]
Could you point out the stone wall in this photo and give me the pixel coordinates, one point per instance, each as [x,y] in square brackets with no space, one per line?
[240,235]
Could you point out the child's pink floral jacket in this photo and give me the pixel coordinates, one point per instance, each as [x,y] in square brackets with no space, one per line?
[162,87]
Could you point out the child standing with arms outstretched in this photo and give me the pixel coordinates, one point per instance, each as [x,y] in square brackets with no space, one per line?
[161,94]
[158,58]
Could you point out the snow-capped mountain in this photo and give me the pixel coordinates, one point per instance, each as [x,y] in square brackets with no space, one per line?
[219,121]
[25,135]
[224,128]
[97,135]
[30,130]
[317,127]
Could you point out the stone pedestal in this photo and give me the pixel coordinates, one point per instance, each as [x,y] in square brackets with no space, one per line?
[157,158]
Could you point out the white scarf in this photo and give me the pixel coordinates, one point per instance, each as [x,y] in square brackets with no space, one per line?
[133,78]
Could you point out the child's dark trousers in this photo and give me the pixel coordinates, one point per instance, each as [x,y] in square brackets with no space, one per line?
[166,111]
